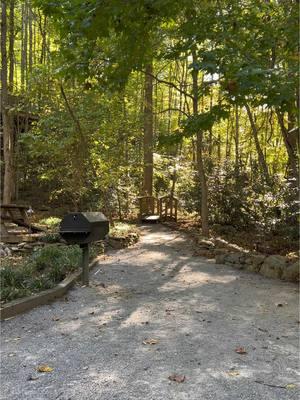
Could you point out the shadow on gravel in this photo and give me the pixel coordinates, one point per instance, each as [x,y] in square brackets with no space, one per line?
[198,312]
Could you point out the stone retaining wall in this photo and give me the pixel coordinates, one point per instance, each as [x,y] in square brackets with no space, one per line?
[274,266]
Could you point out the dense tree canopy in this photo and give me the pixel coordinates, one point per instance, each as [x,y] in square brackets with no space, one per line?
[199,97]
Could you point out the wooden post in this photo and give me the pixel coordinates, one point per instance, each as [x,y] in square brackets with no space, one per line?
[85,264]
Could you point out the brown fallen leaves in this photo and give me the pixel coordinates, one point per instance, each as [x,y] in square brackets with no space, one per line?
[177,378]
[240,350]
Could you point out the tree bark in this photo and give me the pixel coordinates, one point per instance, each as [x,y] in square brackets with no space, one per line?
[11,44]
[290,141]
[148,132]
[237,142]
[8,145]
[260,154]
[200,163]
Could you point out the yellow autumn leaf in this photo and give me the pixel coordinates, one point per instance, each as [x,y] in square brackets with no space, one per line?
[150,341]
[291,386]
[233,373]
[44,368]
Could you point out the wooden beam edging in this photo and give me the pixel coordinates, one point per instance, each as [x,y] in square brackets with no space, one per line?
[19,306]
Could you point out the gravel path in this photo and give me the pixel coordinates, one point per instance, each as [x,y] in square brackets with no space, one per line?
[198,312]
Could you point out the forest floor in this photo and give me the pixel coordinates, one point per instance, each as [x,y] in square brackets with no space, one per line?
[158,323]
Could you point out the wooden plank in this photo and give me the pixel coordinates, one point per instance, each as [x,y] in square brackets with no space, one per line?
[11,206]
[151,218]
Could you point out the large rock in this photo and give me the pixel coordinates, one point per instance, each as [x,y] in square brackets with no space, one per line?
[220,251]
[238,266]
[273,266]
[236,258]
[291,272]
[220,258]
[254,262]
[253,267]
[255,259]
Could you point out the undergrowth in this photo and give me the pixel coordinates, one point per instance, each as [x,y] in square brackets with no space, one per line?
[43,269]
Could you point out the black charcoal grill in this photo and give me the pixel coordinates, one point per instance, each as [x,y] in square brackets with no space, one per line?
[84,228]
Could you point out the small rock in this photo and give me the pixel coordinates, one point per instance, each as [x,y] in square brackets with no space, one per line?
[2,253]
[236,258]
[206,244]
[253,267]
[28,246]
[220,258]
[291,272]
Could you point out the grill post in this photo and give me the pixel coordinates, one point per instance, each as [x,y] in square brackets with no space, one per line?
[85,264]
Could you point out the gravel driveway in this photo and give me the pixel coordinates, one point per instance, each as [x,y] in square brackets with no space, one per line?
[195,313]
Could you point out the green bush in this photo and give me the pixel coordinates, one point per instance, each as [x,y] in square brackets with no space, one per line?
[42,270]
[122,229]
[50,222]
[52,237]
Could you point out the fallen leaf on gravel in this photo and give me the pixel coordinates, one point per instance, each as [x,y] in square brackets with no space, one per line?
[32,378]
[177,378]
[291,386]
[240,350]
[150,341]
[44,368]
[233,373]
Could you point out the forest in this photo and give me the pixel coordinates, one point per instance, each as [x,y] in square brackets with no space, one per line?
[105,101]
[149,209]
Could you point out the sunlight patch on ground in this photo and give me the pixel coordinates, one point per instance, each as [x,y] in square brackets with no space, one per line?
[136,317]
[194,279]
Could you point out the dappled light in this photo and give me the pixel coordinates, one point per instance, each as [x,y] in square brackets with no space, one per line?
[149,200]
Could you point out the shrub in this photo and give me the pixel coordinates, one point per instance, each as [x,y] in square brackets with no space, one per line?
[50,222]
[52,237]
[122,229]
[42,270]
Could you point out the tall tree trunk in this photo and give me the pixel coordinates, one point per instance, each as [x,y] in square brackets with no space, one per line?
[8,145]
[30,53]
[200,163]
[260,154]
[11,44]
[237,142]
[24,39]
[290,142]
[148,132]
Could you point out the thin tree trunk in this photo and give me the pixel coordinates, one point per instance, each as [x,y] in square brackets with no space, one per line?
[290,145]
[148,132]
[237,142]
[30,54]
[200,163]
[8,145]
[24,44]
[11,44]
[260,154]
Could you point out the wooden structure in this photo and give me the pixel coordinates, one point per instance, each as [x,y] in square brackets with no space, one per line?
[18,215]
[168,206]
[148,209]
